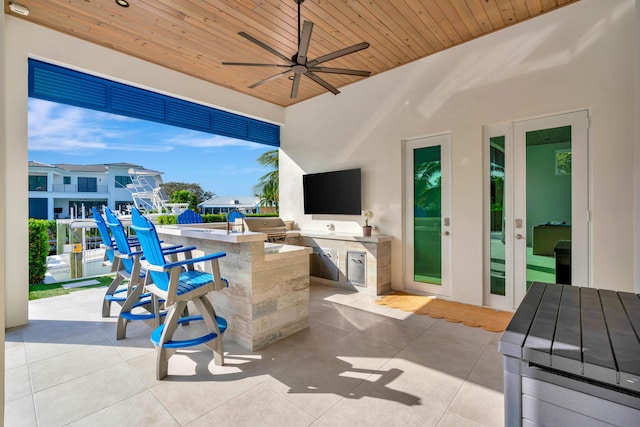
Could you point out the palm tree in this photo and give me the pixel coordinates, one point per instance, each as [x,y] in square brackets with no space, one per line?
[428,181]
[267,187]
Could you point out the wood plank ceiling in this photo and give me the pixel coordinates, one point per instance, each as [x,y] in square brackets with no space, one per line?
[195,36]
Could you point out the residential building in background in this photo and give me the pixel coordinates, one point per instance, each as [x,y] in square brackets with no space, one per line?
[62,190]
[225,204]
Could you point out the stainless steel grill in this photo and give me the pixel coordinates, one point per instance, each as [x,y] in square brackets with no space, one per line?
[275,228]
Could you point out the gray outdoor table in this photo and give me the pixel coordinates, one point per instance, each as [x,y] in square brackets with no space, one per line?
[571,356]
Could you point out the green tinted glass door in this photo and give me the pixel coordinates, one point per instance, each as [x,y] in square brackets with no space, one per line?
[548,205]
[497,215]
[427,213]
[551,201]
[428,224]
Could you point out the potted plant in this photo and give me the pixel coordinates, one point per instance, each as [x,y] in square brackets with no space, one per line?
[366,229]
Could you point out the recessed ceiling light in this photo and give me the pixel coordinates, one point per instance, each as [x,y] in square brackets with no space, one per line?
[123,3]
[19,9]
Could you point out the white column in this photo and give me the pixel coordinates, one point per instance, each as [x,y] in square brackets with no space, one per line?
[15,174]
[3,207]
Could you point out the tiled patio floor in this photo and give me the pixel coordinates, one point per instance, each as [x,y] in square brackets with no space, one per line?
[359,364]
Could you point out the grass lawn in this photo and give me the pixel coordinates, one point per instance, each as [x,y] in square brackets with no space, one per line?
[55,289]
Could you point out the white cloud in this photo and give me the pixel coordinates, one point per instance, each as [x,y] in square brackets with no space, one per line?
[64,144]
[78,131]
[200,140]
[113,117]
[62,128]
[141,147]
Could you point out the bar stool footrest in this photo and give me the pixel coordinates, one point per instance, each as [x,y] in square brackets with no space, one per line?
[115,297]
[140,316]
[157,333]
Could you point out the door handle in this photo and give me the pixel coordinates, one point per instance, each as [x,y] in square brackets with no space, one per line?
[519,236]
[445,233]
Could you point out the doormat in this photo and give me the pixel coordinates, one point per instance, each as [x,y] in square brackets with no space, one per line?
[456,312]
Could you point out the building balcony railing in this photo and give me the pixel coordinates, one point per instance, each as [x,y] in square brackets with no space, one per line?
[73,188]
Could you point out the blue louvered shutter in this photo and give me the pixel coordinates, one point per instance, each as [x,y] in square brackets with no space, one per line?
[189,115]
[58,84]
[46,82]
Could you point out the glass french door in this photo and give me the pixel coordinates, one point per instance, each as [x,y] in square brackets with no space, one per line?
[428,218]
[498,208]
[537,213]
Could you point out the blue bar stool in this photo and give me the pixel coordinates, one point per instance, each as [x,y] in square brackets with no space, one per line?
[177,283]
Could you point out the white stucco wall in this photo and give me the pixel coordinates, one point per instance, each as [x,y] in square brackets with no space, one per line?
[579,57]
[24,40]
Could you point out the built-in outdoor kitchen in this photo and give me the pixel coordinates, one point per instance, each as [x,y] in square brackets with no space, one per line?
[354,262]
[268,266]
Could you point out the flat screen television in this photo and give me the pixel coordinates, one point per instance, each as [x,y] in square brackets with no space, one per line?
[333,193]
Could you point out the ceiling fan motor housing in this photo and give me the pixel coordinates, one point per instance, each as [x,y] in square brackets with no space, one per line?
[299,68]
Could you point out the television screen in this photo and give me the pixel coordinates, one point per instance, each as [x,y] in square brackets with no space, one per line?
[336,192]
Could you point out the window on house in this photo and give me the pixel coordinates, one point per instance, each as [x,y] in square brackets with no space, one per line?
[37,183]
[66,180]
[122,181]
[88,185]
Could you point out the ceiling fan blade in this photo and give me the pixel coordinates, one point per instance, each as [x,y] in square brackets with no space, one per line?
[305,39]
[251,64]
[269,79]
[322,82]
[340,71]
[266,47]
[338,53]
[294,87]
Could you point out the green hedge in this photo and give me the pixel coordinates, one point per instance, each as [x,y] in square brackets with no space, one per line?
[167,219]
[38,250]
[173,219]
[270,214]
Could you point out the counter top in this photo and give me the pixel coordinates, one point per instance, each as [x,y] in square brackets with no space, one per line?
[376,238]
[212,234]
[208,232]
[272,251]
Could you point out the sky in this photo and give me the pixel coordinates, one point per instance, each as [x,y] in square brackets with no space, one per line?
[61,133]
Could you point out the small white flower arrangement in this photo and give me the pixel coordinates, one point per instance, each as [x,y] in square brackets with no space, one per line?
[367,216]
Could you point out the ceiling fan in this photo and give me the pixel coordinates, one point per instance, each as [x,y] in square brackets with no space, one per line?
[299,64]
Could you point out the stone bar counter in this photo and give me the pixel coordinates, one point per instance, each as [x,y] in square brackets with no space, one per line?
[268,294]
